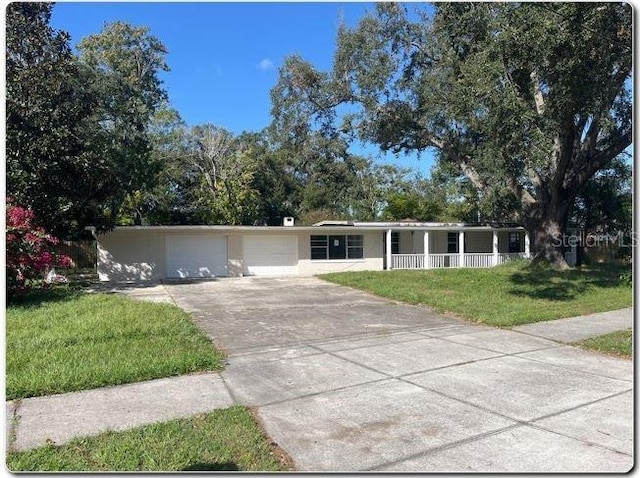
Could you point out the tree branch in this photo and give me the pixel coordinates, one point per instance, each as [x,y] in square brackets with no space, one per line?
[589,164]
[537,92]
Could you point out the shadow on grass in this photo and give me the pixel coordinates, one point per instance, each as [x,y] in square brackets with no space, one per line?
[39,296]
[543,282]
[227,466]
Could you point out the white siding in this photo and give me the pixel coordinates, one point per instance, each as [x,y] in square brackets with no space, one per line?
[131,256]
[270,255]
[201,255]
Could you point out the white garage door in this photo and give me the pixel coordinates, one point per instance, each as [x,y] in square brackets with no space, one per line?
[196,256]
[270,255]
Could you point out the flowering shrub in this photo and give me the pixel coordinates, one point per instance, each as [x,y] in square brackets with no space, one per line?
[29,256]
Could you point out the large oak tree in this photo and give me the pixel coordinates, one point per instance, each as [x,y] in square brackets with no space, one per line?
[528,98]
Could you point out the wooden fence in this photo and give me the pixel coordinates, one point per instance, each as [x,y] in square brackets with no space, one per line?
[84,254]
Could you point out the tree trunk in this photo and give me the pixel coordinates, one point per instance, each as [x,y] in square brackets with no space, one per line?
[547,226]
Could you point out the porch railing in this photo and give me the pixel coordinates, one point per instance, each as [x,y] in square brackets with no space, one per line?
[407,261]
[438,261]
[479,260]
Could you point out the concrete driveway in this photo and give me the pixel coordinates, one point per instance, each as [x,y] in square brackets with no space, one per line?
[345,381]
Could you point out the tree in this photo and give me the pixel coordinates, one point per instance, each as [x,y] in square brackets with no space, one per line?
[52,139]
[604,205]
[125,63]
[528,98]
[226,173]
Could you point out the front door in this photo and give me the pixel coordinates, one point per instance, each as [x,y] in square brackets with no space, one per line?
[337,247]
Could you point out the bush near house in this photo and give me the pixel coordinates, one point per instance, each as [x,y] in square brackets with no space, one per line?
[30,251]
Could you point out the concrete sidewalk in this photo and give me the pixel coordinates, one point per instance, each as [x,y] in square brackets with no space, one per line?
[579,328]
[375,385]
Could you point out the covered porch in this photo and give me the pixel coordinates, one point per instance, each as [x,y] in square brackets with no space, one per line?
[462,246]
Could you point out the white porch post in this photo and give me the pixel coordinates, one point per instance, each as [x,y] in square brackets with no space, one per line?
[426,249]
[461,248]
[495,247]
[388,242]
[527,244]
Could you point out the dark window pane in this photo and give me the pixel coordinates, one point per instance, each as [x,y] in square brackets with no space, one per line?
[318,253]
[452,242]
[355,247]
[318,241]
[337,247]
[318,247]
[395,243]
[514,242]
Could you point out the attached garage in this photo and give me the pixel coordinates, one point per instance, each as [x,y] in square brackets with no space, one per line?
[270,255]
[196,255]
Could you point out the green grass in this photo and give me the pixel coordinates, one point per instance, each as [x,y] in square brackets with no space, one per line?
[224,440]
[512,294]
[618,343]
[65,340]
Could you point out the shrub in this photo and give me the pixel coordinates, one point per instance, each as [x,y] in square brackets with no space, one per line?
[29,255]
[627,278]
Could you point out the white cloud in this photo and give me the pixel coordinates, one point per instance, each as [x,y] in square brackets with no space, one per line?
[266,64]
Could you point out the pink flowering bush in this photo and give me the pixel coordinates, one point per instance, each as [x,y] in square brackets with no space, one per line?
[29,256]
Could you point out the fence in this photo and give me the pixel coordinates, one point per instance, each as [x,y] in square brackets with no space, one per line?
[84,254]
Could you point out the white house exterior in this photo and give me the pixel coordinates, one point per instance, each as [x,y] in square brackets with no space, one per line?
[140,253]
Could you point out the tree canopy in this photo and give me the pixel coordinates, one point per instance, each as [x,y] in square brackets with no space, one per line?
[528,100]
[527,107]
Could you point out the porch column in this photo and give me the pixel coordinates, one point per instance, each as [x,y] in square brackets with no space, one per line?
[527,245]
[388,242]
[426,249]
[461,248]
[495,247]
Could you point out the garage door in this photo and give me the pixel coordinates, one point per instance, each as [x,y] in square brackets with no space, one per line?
[196,256]
[270,255]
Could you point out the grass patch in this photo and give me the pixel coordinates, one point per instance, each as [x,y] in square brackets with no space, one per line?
[512,294]
[64,340]
[618,343]
[224,440]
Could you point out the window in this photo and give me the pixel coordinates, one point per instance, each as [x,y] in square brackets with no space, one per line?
[452,243]
[514,242]
[319,247]
[395,243]
[337,247]
[355,247]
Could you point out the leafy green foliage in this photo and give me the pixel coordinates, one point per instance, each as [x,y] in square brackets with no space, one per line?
[527,100]
[53,145]
[125,62]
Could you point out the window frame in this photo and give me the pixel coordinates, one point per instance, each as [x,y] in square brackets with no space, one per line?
[455,243]
[353,247]
[517,241]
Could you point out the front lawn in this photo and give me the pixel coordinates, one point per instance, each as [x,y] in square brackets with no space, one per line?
[224,440]
[512,294]
[65,340]
[616,343]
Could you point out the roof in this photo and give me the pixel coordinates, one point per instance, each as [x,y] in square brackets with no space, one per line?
[335,226]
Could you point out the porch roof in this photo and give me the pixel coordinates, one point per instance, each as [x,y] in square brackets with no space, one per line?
[425,226]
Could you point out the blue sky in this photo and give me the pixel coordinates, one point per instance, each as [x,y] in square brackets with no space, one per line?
[224,57]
